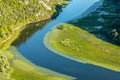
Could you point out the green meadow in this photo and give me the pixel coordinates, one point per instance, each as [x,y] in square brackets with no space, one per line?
[79,44]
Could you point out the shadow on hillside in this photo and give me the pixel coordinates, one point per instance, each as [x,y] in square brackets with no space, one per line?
[29,30]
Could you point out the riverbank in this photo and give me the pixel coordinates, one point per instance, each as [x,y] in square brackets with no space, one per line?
[98,53]
[21,64]
[7,30]
[19,18]
[50,47]
[15,34]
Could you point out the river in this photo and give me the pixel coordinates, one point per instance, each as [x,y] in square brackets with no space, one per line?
[33,48]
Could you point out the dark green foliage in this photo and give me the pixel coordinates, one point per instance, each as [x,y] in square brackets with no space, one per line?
[111,24]
[114,33]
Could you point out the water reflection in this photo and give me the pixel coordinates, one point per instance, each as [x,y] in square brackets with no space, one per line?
[29,31]
[34,49]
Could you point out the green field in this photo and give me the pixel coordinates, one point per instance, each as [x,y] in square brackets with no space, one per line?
[82,45]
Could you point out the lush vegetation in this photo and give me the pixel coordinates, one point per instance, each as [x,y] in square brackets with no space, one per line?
[104,22]
[80,44]
[14,66]
[16,13]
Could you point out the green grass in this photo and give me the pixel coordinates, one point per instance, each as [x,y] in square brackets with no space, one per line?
[31,75]
[79,44]
[23,69]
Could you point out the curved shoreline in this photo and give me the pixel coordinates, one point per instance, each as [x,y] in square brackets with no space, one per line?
[83,60]
[49,46]
[18,56]
[46,41]
[17,28]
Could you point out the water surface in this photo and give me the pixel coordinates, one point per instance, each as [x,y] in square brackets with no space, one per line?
[34,50]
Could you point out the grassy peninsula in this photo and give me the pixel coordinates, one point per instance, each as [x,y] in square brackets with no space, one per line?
[81,45]
[94,38]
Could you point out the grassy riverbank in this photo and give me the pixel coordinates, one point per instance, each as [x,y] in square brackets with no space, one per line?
[23,69]
[14,14]
[20,67]
[81,45]
[30,71]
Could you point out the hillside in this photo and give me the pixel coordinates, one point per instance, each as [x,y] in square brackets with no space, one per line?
[104,22]
[14,15]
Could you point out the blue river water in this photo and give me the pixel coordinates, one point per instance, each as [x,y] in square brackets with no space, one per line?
[34,49]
